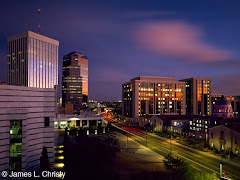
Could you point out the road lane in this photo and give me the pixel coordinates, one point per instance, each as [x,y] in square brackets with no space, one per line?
[199,161]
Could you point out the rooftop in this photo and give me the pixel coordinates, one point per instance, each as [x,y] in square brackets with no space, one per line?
[63,116]
[152,78]
[35,36]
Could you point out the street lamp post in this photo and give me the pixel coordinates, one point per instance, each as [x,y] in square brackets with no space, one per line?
[146,139]
[171,145]
[127,143]
[220,167]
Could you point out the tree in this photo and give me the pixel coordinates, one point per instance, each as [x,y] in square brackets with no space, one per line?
[44,161]
[179,168]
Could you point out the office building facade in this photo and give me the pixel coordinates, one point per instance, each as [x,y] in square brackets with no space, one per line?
[198,96]
[75,80]
[152,95]
[26,126]
[32,60]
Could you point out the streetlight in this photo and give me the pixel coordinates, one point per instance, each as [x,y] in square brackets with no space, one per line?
[127,142]
[220,167]
[170,145]
[146,139]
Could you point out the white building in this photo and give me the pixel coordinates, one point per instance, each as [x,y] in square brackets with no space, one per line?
[26,125]
[79,121]
[32,60]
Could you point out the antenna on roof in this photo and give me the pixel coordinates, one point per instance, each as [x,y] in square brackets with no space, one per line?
[39,10]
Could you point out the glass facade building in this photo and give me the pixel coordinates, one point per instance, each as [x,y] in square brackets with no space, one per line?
[32,60]
[198,96]
[153,95]
[75,80]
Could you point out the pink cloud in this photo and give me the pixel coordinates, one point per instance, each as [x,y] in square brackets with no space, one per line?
[178,39]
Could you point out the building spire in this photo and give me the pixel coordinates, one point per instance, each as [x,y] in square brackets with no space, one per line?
[39,11]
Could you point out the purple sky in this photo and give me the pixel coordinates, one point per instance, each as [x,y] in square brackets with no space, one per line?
[124,39]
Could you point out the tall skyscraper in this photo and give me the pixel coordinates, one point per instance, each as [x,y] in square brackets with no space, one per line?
[153,95]
[198,96]
[32,60]
[75,80]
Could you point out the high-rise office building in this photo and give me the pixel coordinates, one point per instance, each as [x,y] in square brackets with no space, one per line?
[32,60]
[153,95]
[198,96]
[75,80]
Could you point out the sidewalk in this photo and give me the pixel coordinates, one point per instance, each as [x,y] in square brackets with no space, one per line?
[139,148]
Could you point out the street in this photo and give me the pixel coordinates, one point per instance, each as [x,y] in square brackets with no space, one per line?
[201,162]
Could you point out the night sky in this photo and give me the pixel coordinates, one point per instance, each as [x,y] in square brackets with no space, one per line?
[128,38]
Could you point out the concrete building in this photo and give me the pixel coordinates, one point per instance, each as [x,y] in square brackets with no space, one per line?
[152,95]
[26,125]
[79,121]
[32,60]
[198,96]
[75,80]
[158,123]
[225,138]
[198,125]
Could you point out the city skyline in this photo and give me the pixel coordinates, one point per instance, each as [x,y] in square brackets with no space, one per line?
[200,40]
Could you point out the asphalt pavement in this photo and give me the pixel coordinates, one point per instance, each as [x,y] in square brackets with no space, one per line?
[202,162]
